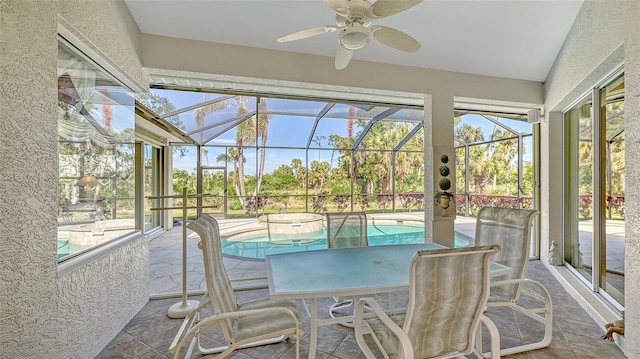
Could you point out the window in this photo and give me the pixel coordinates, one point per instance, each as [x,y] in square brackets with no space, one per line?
[494,161]
[96,155]
[267,153]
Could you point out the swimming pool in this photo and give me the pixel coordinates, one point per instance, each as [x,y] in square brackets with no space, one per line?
[258,244]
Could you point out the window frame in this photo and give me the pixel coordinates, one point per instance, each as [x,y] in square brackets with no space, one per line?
[72,41]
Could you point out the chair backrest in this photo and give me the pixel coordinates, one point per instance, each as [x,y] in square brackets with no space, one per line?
[510,228]
[449,289]
[219,287]
[347,229]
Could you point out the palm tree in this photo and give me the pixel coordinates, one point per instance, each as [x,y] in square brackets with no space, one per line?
[502,155]
[343,146]
[318,174]
[318,141]
[382,136]
[245,136]
[409,163]
[478,176]
[298,170]
[232,157]
[263,133]
[468,134]
[202,112]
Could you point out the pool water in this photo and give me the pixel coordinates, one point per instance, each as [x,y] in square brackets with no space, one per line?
[260,245]
[66,249]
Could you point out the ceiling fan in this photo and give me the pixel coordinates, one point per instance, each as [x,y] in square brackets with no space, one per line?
[354,19]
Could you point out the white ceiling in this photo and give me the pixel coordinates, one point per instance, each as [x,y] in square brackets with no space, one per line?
[506,38]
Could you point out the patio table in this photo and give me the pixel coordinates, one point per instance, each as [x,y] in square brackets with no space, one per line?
[345,272]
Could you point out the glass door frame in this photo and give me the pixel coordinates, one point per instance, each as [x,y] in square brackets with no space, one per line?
[156,162]
[599,190]
[201,170]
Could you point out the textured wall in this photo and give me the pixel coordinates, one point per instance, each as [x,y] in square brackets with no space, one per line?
[631,11]
[96,301]
[27,186]
[605,35]
[42,314]
[595,35]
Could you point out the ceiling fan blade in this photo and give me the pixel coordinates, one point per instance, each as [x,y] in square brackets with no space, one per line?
[343,56]
[383,8]
[339,6]
[303,34]
[395,38]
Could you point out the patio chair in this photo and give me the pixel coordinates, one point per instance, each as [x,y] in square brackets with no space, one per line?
[345,229]
[449,289]
[243,325]
[511,229]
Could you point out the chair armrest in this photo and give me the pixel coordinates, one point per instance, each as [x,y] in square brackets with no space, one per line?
[544,296]
[378,311]
[247,279]
[545,293]
[261,285]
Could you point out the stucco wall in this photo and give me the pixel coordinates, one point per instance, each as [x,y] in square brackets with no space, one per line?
[43,314]
[605,35]
[96,301]
[631,11]
[591,50]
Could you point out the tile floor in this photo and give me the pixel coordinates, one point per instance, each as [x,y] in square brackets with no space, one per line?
[150,332]
[575,336]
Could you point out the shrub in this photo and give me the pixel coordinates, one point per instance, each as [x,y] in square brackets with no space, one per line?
[445,184]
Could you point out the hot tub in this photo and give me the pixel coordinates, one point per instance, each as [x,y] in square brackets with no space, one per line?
[292,223]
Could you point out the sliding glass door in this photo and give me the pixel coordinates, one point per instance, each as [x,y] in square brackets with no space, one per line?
[152,186]
[594,189]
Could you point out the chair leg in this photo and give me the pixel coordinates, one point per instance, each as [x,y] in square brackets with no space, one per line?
[359,333]
[341,305]
[494,338]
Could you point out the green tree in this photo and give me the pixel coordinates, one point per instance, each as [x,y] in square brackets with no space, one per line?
[318,174]
[299,171]
[161,105]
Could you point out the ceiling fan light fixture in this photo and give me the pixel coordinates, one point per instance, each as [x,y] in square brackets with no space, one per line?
[354,19]
[354,38]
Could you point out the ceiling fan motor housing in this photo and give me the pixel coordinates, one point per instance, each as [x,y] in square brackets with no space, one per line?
[354,38]
[357,20]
